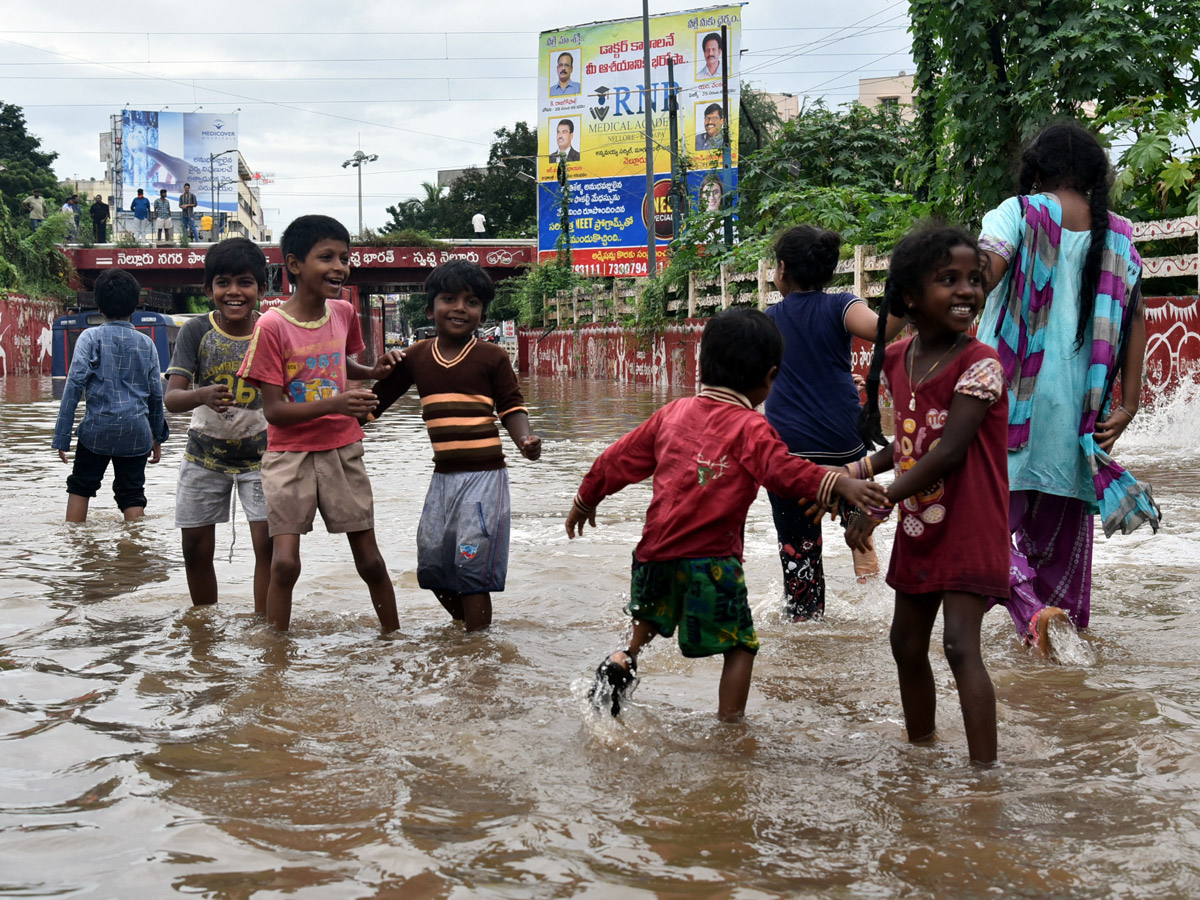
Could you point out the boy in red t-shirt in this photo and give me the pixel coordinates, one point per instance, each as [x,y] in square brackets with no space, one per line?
[300,357]
[708,456]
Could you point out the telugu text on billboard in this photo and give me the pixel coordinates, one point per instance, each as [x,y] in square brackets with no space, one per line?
[592,118]
[167,150]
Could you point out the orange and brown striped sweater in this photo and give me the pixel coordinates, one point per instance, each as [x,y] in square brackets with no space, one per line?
[462,397]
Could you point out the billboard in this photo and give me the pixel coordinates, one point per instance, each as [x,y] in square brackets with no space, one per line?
[592,118]
[169,149]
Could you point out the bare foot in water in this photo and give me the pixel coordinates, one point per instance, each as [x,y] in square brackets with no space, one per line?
[1045,617]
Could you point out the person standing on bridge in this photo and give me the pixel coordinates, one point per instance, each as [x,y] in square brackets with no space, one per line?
[100,213]
[140,207]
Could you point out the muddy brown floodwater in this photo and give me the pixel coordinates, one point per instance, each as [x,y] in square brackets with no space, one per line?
[149,750]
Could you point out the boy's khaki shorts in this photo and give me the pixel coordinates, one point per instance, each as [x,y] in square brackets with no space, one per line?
[297,483]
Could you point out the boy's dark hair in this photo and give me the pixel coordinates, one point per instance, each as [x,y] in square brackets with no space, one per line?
[918,253]
[809,254]
[456,276]
[738,348]
[117,293]
[305,232]
[1065,154]
[235,256]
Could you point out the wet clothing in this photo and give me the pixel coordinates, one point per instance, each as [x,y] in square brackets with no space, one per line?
[204,496]
[232,441]
[708,455]
[1057,394]
[308,359]
[297,484]
[462,539]
[952,536]
[814,405]
[116,368]
[461,399]
[129,476]
[705,598]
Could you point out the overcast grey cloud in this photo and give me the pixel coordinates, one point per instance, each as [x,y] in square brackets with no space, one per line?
[423,85]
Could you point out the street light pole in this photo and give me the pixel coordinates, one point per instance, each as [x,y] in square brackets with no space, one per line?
[358,160]
[212,158]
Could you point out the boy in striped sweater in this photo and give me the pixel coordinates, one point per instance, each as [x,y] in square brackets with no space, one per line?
[708,455]
[465,385]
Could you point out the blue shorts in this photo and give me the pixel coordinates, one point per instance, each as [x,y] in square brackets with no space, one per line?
[462,541]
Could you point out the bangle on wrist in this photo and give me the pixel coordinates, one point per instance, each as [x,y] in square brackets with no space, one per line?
[1122,408]
[870,468]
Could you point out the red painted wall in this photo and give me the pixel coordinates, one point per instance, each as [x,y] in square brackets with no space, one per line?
[673,357]
[25,334]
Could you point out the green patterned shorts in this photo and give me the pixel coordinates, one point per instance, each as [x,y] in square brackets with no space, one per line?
[705,598]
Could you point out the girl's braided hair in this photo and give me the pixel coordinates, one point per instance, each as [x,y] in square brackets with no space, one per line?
[917,254]
[1065,154]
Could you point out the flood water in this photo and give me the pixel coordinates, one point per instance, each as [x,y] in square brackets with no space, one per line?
[148,749]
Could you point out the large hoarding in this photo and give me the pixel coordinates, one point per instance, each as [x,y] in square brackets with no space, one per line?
[168,150]
[592,116]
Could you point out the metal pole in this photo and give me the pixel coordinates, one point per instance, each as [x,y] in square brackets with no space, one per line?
[651,260]
[726,150]
[212,206]
[673,111]
[360,168]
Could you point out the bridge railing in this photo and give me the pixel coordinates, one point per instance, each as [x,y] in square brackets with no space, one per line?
[735,287]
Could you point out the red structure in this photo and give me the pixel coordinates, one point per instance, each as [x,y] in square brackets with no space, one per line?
[672,357]
[169,268]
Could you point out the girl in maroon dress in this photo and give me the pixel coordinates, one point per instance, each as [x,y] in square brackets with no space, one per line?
[951,486]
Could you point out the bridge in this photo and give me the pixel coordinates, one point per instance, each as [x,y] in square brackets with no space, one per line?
[374,269]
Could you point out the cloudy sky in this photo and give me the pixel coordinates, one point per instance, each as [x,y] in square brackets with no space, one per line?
[423,85]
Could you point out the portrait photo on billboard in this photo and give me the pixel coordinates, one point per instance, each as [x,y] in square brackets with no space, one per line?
[710,120]
[564,73]
[708,55]
[564,138]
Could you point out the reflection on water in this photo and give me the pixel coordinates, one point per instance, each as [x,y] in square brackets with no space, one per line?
[147,747]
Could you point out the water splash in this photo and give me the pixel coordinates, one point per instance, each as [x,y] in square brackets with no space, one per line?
[1067,646]
[1170,425]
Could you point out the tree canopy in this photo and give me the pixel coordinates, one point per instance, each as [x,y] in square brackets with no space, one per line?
[991,72]
[26,165]
[507,201]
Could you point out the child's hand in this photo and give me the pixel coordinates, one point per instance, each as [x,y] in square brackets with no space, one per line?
[62,454]
[386,363]
[217,396]
[858,532]
[861,493]
[575,519]
[531,448]
[155,453]
[355,403]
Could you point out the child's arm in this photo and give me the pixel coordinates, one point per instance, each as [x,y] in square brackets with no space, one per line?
[962,423]
[83,363]
[628,461]
[278,411]
[179,398]
[356,371]
[1107,432]
[154,409]
[517,424]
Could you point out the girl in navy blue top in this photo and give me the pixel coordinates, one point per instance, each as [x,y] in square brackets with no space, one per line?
[815,403]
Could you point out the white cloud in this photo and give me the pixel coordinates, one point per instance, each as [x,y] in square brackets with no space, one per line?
[422,85]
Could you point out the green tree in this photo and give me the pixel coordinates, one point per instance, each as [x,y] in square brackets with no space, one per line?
[507,200]
[991,72]
[25,165]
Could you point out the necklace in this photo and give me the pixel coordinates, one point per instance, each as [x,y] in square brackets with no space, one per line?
[913,385]
[447,363]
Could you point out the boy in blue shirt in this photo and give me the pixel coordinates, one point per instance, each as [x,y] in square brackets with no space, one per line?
[116,368]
